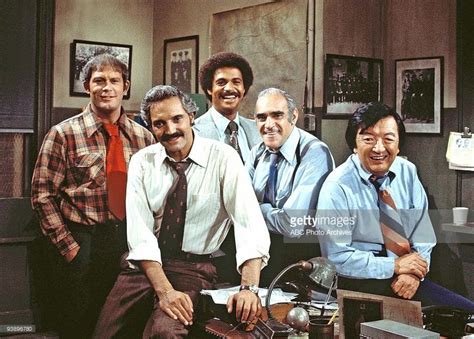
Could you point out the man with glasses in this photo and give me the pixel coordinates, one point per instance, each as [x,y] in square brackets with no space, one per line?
[287,169]
[373,221]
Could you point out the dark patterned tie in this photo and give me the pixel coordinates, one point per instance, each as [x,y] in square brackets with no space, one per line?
[389,221]
[116,169]
[270,189]
[232,136]
[170,238]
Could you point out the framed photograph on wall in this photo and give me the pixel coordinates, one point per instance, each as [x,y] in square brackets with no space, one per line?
[180,63]
[350,82]
[419,93]
[82,51]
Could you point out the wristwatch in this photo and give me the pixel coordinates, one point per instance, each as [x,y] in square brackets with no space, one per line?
[251,288]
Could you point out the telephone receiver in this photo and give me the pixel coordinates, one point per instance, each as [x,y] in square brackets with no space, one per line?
[448,321]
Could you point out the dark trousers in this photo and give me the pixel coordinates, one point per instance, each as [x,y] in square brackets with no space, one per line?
[283,254]
[132,302]
[79,288]
[428,292]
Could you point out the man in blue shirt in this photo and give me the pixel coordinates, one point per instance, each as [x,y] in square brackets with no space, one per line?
[373,221]
[287,171]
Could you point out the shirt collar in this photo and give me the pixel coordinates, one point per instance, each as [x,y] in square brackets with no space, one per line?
[221,121]
[196,153]
[93,122]
[288,149]
[365,175]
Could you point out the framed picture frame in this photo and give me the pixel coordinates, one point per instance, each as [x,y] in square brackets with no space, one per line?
[419,93]
[181,62]
[350,82]
[82,51]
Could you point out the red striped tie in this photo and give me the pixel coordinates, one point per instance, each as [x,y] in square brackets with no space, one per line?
[394,242]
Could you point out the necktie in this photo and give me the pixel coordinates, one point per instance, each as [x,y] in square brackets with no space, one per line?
[389,221]
[116,169]
[232,136]
[270,189]
[170,238]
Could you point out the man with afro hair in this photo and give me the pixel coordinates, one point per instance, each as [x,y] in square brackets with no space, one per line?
[226,78]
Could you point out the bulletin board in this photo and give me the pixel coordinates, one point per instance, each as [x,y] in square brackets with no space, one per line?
[272,37]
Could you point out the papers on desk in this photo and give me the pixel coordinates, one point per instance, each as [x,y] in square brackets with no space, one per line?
[460,152]
[278,296]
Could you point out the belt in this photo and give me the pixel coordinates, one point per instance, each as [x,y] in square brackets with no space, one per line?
[186,256]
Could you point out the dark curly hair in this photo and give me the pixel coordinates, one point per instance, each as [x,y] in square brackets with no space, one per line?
[224,59]
[368,115]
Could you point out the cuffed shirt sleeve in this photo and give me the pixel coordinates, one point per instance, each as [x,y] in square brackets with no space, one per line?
[251,234]
[142,242]
[48,176]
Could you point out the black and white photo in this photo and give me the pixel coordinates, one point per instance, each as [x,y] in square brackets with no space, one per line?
[351,82]
[418,88]
[180,63]
[82,51]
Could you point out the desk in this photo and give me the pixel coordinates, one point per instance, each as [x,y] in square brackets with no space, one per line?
[222,329]
[462,229]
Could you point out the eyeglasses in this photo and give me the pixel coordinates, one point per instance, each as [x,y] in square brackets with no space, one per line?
[370,140]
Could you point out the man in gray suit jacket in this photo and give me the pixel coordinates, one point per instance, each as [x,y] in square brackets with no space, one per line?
[226,78]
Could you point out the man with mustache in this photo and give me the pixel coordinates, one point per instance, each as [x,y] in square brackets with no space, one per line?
[226,78]
[78,192]
[287,169]
[179,193]
[384,241]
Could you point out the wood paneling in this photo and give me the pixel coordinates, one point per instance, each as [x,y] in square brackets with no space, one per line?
[353,27]
[18,58]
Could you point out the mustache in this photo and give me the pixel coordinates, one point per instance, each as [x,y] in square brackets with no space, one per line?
[270,130]
[235,92]
[167,137]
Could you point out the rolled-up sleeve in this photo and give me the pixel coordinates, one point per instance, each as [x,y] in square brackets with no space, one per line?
[337,243]
[251,234]
[142,243]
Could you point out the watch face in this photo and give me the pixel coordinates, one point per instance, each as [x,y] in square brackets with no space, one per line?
[251,288]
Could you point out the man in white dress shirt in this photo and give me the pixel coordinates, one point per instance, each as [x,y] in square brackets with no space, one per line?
[175,257]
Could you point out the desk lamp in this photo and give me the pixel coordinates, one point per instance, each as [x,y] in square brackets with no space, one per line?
[321,271]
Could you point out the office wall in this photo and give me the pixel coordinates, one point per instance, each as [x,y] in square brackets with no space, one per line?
[349,28]
[178,18]
[115,21]
[393,30]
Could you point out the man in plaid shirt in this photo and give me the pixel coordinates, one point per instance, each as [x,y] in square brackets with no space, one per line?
[70,194]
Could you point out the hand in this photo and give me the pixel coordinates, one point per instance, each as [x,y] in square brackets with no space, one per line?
[247,306]
[177,305]
[69,256]
[405,285]
[411,263]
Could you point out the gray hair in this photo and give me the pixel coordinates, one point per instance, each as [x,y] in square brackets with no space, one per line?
[163,92]
[290,101]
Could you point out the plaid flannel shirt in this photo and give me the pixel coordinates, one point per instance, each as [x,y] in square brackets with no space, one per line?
[69,180]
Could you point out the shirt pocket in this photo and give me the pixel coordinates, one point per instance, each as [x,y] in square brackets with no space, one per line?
[88,170]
